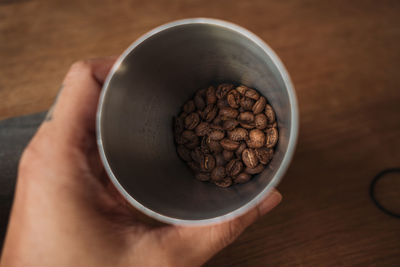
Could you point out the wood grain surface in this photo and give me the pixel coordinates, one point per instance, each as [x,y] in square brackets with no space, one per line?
[344,60]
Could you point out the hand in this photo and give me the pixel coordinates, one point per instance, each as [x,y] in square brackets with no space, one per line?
[64,212]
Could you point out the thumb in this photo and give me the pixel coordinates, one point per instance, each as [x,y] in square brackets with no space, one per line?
[205,241]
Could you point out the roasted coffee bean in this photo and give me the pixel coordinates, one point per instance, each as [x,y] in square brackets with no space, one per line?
[229,125]
[211,97]
[179,125]
[219,160]
[207,163]
[246,117]
[222,103]
[202,129]
[223,89]
[242,178]
[260,120]
[264,154]
[229,144]
[180,140]
[238,134]
[259,106]
[226,182]
[242,89]
[204,145]
[227,154]
[194,166]
[217,127]
[217,121]
[201,176]
[210,112]
[199,102]
[191,121]
[249,158]
[184,153]
[189,135]
[240,149]
[228,113]
[271,137]
[251,93]
[246,103]
[192,144]
[233,99]
[234,167]
[218,173]
[197,155]
[216,135]
[214,146]
[256,138]
[269,112]
[259,168]
[189,106]
[248,126]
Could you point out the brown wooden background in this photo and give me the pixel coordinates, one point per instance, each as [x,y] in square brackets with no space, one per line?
[344,59]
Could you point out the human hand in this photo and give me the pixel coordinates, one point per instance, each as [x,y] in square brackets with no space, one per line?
[66,214]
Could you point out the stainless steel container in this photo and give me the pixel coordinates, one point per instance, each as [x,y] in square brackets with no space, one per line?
[145,89]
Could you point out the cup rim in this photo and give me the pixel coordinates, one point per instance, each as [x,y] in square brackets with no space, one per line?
[294,128]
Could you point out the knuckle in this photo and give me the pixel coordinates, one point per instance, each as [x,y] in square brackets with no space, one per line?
[79,66]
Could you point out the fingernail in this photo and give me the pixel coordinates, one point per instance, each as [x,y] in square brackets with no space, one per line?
[271,201]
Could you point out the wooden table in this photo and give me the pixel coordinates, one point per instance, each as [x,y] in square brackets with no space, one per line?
[344,59]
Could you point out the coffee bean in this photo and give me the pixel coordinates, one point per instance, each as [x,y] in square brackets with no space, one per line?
[228,113]
[207,163]
[222,103]
[192,144]
[192,120]
[246,117]
[269,112]
[199,102]
[248,126]
[256,138]
[273,125]
[260,120]
[217,121]
[210,112]
[246,103]
[259,168]
[216,135]
[259,106]
[249,158]
[264,154]
[242,89]
[234,167]
[202,129]
[223,89]
[238,134]
[179,125]
[197,155]
[211,97]
[216,127]
[189,135]
[229,125]
[233,99]
[189,106]
[219,160]
[218,173]
[251,93]
[272,137]
[184,153]
[240,149]
[201,176]
[226,182]
[215,146]
[180,140]
[242,178]
[229,144]
[204,145]
[227,154]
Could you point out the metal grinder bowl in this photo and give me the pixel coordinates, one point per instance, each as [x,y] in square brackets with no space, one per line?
[144,91]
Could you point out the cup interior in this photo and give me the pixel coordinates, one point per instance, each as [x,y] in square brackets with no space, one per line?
[146,89]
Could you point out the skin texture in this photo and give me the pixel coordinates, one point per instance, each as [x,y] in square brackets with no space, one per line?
[66,213]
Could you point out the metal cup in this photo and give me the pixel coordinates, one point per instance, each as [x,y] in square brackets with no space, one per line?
[144,91]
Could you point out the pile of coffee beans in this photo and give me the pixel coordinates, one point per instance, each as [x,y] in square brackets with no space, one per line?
[226,134]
